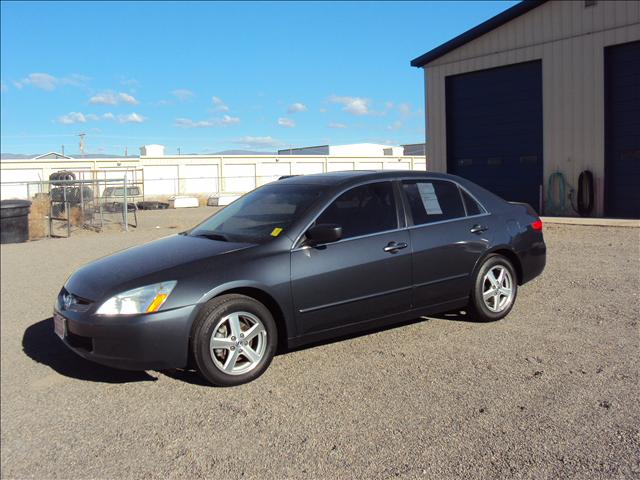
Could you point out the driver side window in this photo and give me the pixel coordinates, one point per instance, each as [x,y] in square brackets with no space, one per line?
[363,210]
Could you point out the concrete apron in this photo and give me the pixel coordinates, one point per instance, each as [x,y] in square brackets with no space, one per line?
[597,222]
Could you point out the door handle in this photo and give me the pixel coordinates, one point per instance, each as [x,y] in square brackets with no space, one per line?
[478,229]
[393,247]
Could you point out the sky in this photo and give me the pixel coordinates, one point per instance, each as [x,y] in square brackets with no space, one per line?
[209,76]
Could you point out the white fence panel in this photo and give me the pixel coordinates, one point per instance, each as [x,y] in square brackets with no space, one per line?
[160,179]
[239,178]
[201,178]
[19,175]
[270,171]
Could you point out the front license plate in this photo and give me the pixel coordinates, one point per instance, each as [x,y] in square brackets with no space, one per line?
[59,325]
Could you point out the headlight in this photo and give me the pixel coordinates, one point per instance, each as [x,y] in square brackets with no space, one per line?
[139,300]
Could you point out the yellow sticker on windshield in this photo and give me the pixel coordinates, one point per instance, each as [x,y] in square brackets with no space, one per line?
[276,231]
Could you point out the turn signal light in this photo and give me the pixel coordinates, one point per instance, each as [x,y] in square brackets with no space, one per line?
[537,225]
[157,303]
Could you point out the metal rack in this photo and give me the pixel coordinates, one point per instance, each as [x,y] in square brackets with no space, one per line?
[95,198]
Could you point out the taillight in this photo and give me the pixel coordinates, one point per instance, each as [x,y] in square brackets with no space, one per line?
[537,225]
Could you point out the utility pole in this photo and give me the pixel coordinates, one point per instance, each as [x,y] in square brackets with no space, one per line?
[62,149]
[178,151]
[125,152]
[82,135]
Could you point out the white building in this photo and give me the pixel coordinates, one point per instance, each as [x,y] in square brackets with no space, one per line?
[354,149]
[544,87]
[166,175]
[152,150]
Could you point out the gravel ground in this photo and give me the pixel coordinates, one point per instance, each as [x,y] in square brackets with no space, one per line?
[549,392]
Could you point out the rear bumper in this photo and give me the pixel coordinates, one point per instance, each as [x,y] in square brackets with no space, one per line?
[154,341]
[533,261]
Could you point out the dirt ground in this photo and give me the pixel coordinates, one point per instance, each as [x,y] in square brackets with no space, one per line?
[549,392]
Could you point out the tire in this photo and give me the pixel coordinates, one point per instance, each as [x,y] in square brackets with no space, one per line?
[237,359]
[489,311]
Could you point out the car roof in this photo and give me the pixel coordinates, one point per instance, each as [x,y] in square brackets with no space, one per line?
[355,176]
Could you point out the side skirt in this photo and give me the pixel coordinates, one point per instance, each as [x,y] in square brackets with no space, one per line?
[372,325]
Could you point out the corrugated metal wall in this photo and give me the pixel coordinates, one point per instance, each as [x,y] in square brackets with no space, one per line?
[569,38]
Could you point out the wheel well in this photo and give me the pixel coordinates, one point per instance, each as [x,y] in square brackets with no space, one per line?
[514,259]
[269,302]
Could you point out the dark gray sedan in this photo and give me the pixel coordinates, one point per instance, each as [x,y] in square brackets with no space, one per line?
[300,260]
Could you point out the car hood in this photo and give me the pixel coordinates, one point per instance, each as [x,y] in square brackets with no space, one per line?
[121,271]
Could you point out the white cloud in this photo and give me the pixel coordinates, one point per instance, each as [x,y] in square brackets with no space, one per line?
[225,121]
[188,123]
[131,118]
[79,117]
[336,125]
[297,107]
[397,125]
[45,81]
[286,122]
[128,99]
[71,118]
[219,105]
[183,94]
[250,141]
[228,120]
[404,109]
[3,87]
[353,105]
[113,98]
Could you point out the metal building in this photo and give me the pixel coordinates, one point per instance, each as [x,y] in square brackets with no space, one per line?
[543,87]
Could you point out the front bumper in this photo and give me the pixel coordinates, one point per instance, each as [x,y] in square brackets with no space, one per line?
[153,341]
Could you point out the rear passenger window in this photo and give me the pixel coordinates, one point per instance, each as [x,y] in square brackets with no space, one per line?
[472,206]
[433,201]
[363,210]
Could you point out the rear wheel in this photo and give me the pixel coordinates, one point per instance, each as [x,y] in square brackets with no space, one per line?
[234,340]
[494,290]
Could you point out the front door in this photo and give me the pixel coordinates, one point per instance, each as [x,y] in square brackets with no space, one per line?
[365,275]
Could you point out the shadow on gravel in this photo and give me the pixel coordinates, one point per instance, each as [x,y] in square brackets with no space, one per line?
[456,316]
[192,377]
[41,344]
[186,375]
[350,336]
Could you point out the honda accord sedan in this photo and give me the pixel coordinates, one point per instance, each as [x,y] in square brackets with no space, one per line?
[299,260]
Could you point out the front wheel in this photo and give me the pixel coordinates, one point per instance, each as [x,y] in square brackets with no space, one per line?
[494,289]
[234,340]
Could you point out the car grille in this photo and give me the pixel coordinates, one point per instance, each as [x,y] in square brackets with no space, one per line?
[71,302]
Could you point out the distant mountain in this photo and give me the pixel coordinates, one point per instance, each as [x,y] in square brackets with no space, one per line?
[241,152]
[23,156]
[16,155]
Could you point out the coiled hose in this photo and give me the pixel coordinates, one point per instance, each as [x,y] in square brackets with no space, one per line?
[585,193]
[557,197]
[556,183]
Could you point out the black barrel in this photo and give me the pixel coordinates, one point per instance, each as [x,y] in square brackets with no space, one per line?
[14,221]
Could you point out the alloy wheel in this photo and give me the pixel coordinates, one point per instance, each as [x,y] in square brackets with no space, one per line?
[238,343]
[497,288]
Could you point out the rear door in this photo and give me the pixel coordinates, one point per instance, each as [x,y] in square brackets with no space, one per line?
[359,277]
[450,232]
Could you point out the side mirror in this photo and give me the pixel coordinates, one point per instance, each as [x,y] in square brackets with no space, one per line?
[324,233]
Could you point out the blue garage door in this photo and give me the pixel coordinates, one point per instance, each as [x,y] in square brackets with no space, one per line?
[494,130]
[622,130]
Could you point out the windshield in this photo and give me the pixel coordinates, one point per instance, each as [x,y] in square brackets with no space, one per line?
[260,215]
